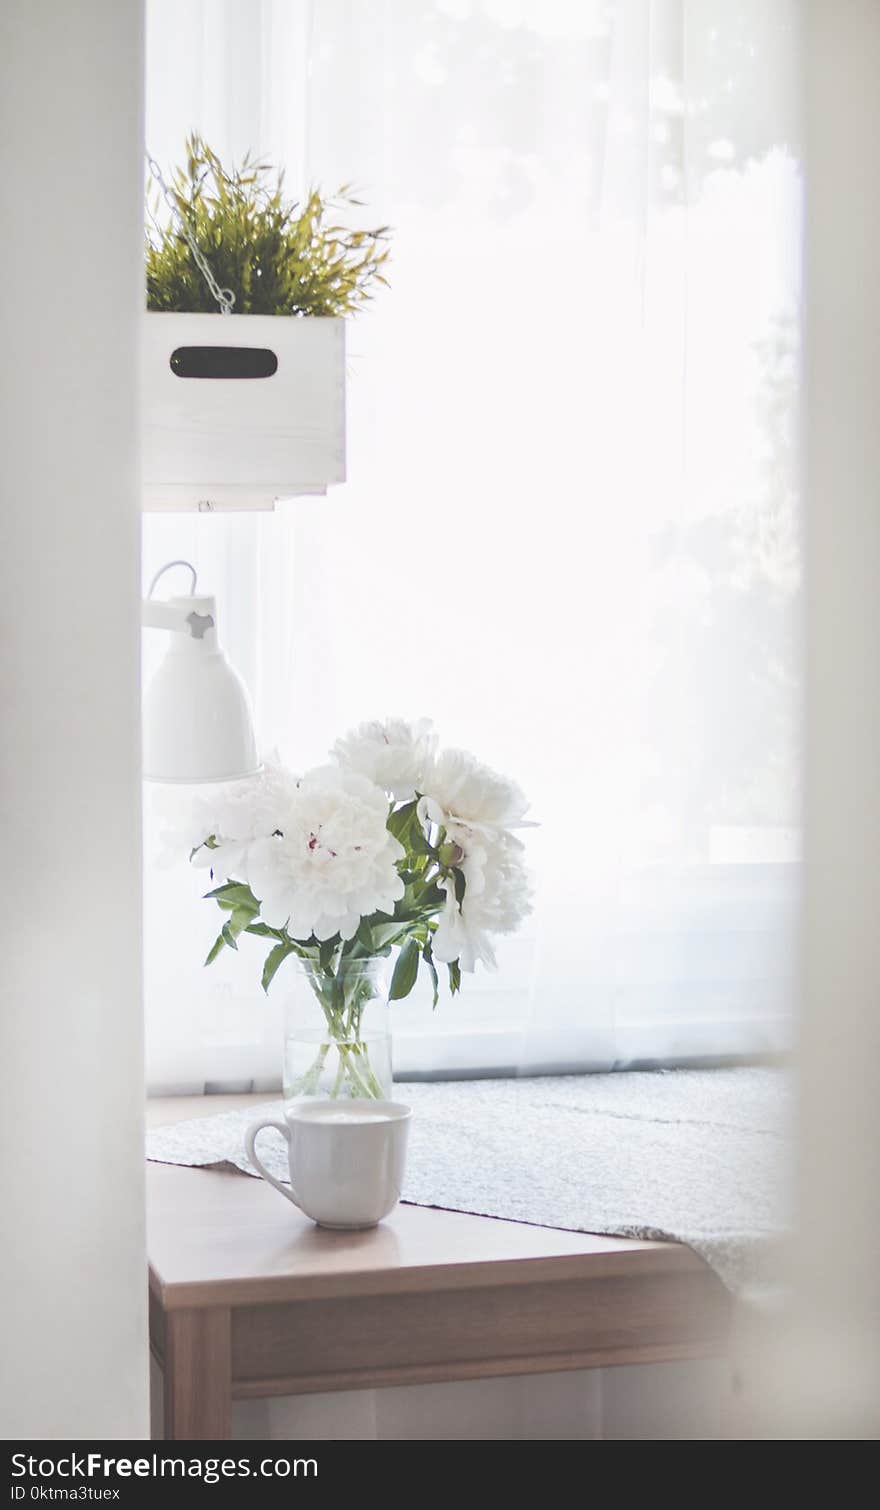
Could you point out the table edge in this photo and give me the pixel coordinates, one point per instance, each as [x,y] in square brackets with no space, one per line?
[640,1259]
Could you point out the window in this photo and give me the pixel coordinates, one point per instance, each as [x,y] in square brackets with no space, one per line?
[571,528]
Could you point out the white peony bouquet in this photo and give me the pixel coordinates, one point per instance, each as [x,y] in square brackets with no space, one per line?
[391,844]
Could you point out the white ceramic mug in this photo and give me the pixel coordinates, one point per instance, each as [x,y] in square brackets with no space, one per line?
[346,1159]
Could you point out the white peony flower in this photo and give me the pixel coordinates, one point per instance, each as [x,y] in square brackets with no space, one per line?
[497,896]
[457,937]
[335,861]
[393,753]
[460,787]
[237,814]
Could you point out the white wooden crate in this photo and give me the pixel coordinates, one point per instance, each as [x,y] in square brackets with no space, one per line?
[242,443]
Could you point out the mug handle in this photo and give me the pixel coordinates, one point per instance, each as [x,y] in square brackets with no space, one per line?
[250,1143]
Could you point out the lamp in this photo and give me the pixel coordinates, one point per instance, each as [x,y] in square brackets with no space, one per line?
[198,724]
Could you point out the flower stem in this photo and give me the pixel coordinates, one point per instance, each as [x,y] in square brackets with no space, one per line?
[307,1083]
[342,997]
[337,1083]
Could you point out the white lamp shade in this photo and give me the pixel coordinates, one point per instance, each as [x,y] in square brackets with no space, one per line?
[198,724]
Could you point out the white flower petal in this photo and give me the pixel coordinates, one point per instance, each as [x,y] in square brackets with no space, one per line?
[472,792]
[391,752]
[334,861]
[429,811]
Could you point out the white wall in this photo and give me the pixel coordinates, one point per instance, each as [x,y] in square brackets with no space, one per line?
[824,1382]
[72,1273]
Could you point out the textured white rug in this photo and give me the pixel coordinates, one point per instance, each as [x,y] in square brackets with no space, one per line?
[698,1156]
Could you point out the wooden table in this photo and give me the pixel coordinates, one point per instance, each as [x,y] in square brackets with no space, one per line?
[249,1298]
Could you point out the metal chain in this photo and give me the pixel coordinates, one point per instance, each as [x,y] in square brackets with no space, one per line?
[224,296]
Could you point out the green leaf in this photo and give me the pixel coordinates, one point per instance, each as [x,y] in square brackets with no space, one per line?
[454,977]
[400,820]
[274,959]
[326,951]
[218,945]
[459,882]
[405,971]
[263,931]
[234,891]
[385,932]
[238,923]
[364,936]
[428,957]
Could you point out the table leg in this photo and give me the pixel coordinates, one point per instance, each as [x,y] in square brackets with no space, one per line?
[198,1375]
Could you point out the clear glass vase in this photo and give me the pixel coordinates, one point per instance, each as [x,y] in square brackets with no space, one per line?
[337,1032]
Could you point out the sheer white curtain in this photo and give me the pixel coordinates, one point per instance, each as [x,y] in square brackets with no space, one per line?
[571,528]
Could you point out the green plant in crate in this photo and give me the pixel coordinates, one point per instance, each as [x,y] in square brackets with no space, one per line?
[277,256]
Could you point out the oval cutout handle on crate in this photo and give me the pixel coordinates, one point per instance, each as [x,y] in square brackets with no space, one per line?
[223,362]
